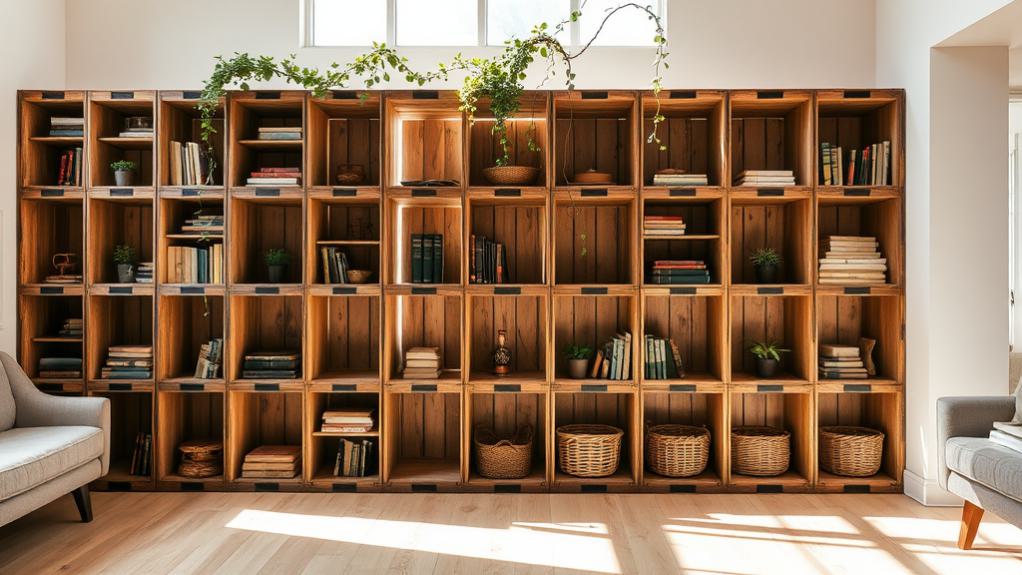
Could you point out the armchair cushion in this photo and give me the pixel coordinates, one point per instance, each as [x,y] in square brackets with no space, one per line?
[6,403]
[967,417]
[31,456]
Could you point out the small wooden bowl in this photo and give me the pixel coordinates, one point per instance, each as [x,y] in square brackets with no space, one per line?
[593,177]
[359,276]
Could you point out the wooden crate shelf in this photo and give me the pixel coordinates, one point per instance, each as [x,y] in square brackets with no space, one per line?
[249,111]
[529,125]
[423,321]
[881,408]
[321,447]
[619,409]
[426,132]
[344,131]
[785,320]
[705,236]
[595,130]
[524,320]
[772,130]
[186,416]
[344,339]
[694,132]
[592,321]
[422,440]
[115,320]
[789,408]
[261,224]
[871,216]
[349,224]
[186,323]
[697,325]
[107,114]
[50,227]
[519,224]
[173,213]
[504,414]
[783,224]
[131,413]
[263,323]
[843,319]
[180,121]
[42,318]
[40,152]
[594,239]
[114,222]
[854,119]
[697,409]
[258,418]
[409,215]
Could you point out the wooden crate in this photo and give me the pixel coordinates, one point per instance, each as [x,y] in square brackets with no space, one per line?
[249,111]
[426,130]
[180,121]
[259,224]
[108,112]
[788,407]
[257,417]
[427,320]
[344,339]
[432,212]
[351,224]
[344,129]
[517,220]
[697,325]
[263,323]
[523,317]
[693,132]
[530,123]
[116,320]
[592,320]
[131,413]
[114,222]
[504,407]
[187,416]
[50,227]
[704,239]
[39,153]
[186,323]
[422,443]
[617,406]
[772,130]
[595,130]
[321,446]
[704,406]
[843,319]
[41,320]
[785,320]
[173,211]
[594,237]
[880,407]
[783,223]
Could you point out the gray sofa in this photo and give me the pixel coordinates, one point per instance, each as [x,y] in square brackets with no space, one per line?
[49,445]
[987,475]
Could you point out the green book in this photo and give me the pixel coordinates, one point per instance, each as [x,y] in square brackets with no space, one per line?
[427,258]
[438,258]
[417,258]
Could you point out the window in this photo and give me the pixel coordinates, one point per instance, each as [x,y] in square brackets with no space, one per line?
[348,22]
[437,23]
[628,27]
[506,19]
[1014,219]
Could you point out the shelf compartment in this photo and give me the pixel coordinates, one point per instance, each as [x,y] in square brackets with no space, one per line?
[322,446]
[854,119]
[618,409]
[186,323]
[352,225]
[186,416]
[181,121]
[257,225]
[703,240]
[423,321]
[524,319]
[517,222]
[344,338]
[174,211]
[432,215]
[529,123]
[784,224]
[594,240]
[115,320]
[113,223]
[772,130]
[693,130]
[863,216]
[107,114]
[262,323]
[258,418]
[707,410]
[504,414]
[40,152]
[790,408]
[248,111]
[48,228]
[131,413]
[697,325]
[842,319]
[422,440]
[426,130]
[592,321]
[785,320]
[41,320]
[595,130]
[344,131]
[880,408]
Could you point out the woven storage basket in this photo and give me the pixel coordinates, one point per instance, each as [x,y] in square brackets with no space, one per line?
[851,451]
[760,451]
[589,450]
[511,175]
[201,458]
[677,450]
[503,458]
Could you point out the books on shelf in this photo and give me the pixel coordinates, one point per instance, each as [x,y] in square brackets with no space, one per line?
[675,272]
[870,166]
[667,226]
[205,222]
[141,455]
[128,362]
[422,363]
[348,420]
[201,265]
[272,462]
[67,127]
[335,265]
[69,170]
[487,262]
[64,279]
[266,176]
[60,367]
[210,356]
[354,458]
[852,259]
[427,258]
[841,362]
[766,178]
[188,165]
[613,360]
[144,272]
[663,359]
[679,180]
[140,133]
[72,327]
[272,365]
[280,133]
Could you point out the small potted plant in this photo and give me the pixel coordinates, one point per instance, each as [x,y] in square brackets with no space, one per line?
[276,264]
[765,262]
[768,357]
[124,257]
[578,360]
[124,172]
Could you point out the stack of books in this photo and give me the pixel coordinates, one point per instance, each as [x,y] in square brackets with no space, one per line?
[60,367]
[136,133]
[188,166]
[869,166]
[141,455]
[128,362]
[266,176]
[678,179]
[422,363]
[852,259]
[841,362]
[72,327]
[64,279]
[66,127]
[210,356]
[675,272]
[348,421]
[766,178]
[613,360]
[205,222]
[272,462]
[280,133]
[488,264]
[144,272]
[665,226]
[427,258]
[663,359]
[202,265]
[354,458]
[70,170]
[335,265]
[271,365]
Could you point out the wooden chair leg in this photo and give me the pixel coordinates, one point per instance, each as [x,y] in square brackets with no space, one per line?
[971,516]
[83,502]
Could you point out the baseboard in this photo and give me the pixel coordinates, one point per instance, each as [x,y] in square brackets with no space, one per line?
[928,492]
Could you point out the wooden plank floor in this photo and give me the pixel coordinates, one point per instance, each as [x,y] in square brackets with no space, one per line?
[475,533]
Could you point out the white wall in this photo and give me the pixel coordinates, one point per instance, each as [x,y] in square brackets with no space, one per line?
[32,49]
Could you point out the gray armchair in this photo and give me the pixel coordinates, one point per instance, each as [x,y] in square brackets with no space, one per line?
[49,445]
[988,476]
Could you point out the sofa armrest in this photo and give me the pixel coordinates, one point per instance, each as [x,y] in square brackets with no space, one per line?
[968,417]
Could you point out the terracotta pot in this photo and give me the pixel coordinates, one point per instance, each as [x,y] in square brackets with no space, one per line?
[124,177]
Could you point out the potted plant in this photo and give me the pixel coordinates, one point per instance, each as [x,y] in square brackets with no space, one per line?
[578,360]
[765,262]
[276,264]
[768,357]
[124,172]
[124,257]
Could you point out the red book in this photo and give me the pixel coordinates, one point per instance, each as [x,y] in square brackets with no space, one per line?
[663,218]
[63,168]
[678,262]
[278,170]
[703,267]
[274,175]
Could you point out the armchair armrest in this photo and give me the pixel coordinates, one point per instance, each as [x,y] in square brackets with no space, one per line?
[968,417]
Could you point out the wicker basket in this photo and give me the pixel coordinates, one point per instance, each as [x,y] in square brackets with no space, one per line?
[511,175]
[677,450]
[760,451]
[201,458]
[503,458]
[851,451]
[589,450]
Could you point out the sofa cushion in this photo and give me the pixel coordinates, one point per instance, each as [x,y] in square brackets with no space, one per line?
[30,456]
[986,462]
[6,402]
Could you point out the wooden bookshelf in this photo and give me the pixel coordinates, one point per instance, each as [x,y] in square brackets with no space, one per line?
[577,272]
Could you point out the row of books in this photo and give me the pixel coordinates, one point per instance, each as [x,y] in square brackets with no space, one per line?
[67,127]
[202,265]
[144,272]
[272,365]
[60,367]
[335,265]
[205,222]
[272,462]
[679,272]
[279,133]
[139,132]
[679,180]
[188,165]
[841,362]
[427,258]
[766,178]
[422,363]
[354,458]
[613,360]
[852,259]
[210,357]
[70,168]
[488,264]
[667,226]
[869,166]
[141,455]
[128,362]
[348,420]
[267,176]
[663,359]
[72,327]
